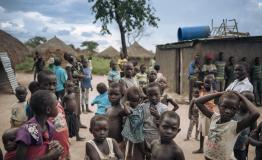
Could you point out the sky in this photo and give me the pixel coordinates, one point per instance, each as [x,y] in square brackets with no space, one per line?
[72,20]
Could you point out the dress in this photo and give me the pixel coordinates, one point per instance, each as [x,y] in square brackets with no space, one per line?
[102,156]
[36,140]
[221,139]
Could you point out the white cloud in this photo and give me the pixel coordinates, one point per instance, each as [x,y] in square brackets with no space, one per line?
[259,4]
[2,9]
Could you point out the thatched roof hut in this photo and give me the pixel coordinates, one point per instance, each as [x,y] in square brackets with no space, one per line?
[109,52]
[54,47]
[138,52]
[16,50]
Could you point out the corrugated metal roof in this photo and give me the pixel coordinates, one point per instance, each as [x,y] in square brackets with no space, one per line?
[190,43]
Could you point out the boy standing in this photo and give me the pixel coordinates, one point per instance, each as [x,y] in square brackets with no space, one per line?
[256,77]
[61,77]
[220,75]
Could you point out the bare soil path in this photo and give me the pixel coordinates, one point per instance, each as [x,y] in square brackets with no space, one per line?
[77,149]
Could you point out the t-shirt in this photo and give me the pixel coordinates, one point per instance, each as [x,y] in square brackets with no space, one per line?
[36,140]
[150,127]
[18,114]
[61,77]
[240,86]
[220,75]
[133,127]
[114,76]
[129,82]
[256,72]
[141,79]
[102,102]
[121,63]
[221,139]
[209,68]
[61,128]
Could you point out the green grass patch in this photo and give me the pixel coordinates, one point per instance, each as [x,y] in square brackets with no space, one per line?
[100,66]
[25,66]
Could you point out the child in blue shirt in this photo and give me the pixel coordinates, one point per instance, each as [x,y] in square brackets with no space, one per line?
[101,100]
[113,74]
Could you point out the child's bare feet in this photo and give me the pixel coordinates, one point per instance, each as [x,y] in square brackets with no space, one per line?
[199,151]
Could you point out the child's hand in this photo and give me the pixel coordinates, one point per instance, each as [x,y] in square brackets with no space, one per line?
[154,112]
[55,150]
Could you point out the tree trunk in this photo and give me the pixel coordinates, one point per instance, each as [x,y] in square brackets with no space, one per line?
[123,40]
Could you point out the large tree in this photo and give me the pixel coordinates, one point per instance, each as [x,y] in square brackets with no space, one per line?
[35,41]
[90,45]
[129,15]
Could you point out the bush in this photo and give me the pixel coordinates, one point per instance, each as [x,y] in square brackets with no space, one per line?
[100,66]
[25,66]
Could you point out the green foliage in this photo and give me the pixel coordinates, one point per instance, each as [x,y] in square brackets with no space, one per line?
[100,66]
[26,66]
[35,41]
[90,45]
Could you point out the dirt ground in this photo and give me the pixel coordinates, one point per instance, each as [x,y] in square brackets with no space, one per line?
[77,149]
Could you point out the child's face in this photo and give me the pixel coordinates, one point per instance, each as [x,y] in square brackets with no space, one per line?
[153,94]
[163,83]
[100,130]
[152,76]
[9,139]
[168,129]
[21,95]
[196,94]
[129,70]
[70,87]
[114,95]
[143,69]
[240,72]
[207,84]
[51,110]
[113,65]
[228,108]
[85,64]
[49,83]
[133,100]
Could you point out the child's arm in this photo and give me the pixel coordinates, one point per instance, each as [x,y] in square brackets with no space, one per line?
[95,101]
[252,116]
[200,102]
[21,151]
[190,112]
[117,150]
[173,103]
[179,154]
[253,139]
[89,152]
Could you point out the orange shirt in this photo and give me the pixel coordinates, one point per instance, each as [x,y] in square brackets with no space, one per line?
[210,104]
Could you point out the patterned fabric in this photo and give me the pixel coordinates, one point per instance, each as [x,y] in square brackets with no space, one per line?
[256,72]
[220,70]
[133,127]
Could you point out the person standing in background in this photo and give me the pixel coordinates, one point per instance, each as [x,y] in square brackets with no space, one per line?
[194,69]
[256,79]
[220,75]
[61,77]
[121,62]
[229,71]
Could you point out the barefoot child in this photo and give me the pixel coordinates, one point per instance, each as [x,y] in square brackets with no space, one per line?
[133,127]
[223,130]
[8,140]
[33,87]
[101,147]
[34,138]
[166,148]
[141,77]
[70,106]
[128,80]
[86,85]
[115,113]
[193,115]
[113,74]
[101,100]
[256,140]
[18,114]
[165,97]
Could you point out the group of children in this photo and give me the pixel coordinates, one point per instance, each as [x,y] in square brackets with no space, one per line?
[133,120]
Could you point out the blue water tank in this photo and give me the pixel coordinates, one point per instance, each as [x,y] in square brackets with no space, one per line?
[189,33]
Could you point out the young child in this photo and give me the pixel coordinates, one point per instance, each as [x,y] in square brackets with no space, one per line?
[101,147]
[166,148]
[33,87]
[165,97]
[152,76]
[113,74]
[128,80]
[152,111]
[133,127]
[193,115]
[255,139]
[204,122]
[86,85]
[70,105]
[8,139]
[157,69]
[141,77]
[18,113]
[223,130]
[241,145]
[115,113]
[47,81]
[101,100]
[34,137]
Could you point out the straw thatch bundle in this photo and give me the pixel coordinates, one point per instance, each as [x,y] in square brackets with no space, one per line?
[138,52]
[16,50]
[109,52]
[54,48]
